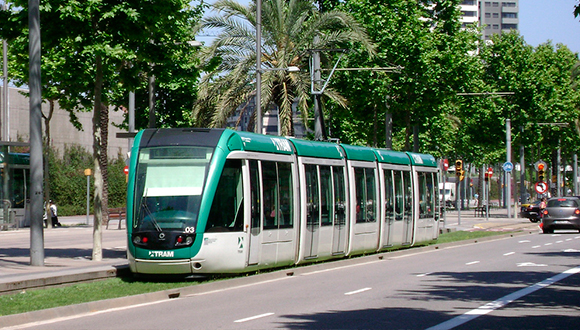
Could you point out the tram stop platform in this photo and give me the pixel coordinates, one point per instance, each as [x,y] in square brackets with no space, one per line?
[68,249]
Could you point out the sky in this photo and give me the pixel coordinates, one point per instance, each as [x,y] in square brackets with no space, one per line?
[543,20]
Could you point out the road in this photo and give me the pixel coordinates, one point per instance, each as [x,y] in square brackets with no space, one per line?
[522,282]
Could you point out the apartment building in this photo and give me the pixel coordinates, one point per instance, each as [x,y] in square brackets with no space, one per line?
[495,17]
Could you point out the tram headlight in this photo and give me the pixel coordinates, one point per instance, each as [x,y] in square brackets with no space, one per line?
[137,240]
[183,240]
[189,240]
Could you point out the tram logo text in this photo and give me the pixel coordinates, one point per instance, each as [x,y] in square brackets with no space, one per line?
[161,254]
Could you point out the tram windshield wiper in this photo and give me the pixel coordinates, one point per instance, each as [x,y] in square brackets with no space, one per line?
[145,207]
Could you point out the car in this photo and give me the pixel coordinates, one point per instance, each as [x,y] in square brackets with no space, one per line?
[531,211]
[561,213]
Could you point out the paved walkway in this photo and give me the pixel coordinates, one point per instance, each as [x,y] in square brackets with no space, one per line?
[74,264]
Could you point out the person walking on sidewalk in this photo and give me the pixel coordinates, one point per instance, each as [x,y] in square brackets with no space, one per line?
[54,215]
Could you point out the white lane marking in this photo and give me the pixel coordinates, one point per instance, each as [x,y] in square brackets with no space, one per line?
[556,235]
[571,250]
[357,291]
[559,242]
[568,239]
[536,246]
[577,237]
[253,317]
[524,241]
[426,274]
[530,264]
[501,302]
[509,253]
[548,244]
[472,263]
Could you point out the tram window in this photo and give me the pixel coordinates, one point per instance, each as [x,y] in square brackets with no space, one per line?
[270,193]
[429,188]
[423,199]
[226,212]
[255,196]
[365,194]
[408,195]
[325,196]
[389,198]
[399,195]
[311,173]
[286,197]
[371,200]
[339,195]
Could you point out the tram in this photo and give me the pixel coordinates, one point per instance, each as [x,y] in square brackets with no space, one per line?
[207,201]
[14,183]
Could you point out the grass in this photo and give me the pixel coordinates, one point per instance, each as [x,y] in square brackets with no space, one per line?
[38,299]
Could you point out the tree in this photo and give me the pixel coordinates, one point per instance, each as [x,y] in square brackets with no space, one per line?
[289,29]
[106,50]
[424,41]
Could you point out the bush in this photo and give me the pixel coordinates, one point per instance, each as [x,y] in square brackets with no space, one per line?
[68,183]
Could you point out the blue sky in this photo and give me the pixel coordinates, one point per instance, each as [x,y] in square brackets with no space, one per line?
[542,20]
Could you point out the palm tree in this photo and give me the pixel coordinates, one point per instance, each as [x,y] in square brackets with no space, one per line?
[289,28]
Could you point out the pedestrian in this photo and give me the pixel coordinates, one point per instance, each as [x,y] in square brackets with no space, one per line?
[543,204]
[54,215]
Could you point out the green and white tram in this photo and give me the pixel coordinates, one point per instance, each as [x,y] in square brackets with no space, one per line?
[222,201]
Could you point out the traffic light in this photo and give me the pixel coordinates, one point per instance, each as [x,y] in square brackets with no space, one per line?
[459,168]
[541,172]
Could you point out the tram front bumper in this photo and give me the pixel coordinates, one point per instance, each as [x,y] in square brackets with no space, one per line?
[146,266]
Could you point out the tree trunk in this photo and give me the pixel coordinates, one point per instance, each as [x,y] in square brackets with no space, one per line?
[98,198]
[47,150]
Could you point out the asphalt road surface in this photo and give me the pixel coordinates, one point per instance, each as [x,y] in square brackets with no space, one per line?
[522,282]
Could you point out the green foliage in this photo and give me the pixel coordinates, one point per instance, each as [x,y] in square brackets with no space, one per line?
[68,184]
[290,29]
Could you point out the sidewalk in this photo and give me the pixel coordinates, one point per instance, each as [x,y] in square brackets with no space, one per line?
[69,265]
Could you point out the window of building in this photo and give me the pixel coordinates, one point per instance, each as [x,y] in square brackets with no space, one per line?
[468,2]
[509,15]
[509,26]
[495,4]
[488,4]
[487,15]
[508,4]
[495,15]
[496,27]
[469,13]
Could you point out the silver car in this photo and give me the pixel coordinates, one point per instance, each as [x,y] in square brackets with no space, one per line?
[561,213]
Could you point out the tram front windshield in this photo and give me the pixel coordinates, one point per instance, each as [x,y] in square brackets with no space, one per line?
[169,186]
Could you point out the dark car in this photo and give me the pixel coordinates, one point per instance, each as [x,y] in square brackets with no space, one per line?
[531,211]
[561,213]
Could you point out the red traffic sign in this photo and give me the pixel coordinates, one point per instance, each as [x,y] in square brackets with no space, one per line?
[541,187]
[126,170]
[445,165]
[490,171]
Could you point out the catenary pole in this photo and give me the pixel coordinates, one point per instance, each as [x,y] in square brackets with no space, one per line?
[36,176]
[259,66]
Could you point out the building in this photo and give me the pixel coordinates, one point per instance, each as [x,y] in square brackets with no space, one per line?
[495,17]
[62,132]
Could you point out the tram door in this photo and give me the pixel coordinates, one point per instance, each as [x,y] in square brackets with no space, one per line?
[255,227]
[408,224]
[312,211]
[339,227]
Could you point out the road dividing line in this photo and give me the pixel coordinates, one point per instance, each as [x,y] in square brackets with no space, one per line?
[472,263]
[357,291]
[536,246]
[548,244]
[501,302]
[425,274]
[253,318]
[524,241]
[509,253]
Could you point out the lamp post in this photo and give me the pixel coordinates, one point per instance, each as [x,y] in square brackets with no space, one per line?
[258,66]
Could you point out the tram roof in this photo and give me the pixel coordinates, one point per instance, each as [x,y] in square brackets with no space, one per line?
[305,148]
[422,159]
[247,141]
[359,153]
[392,157]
